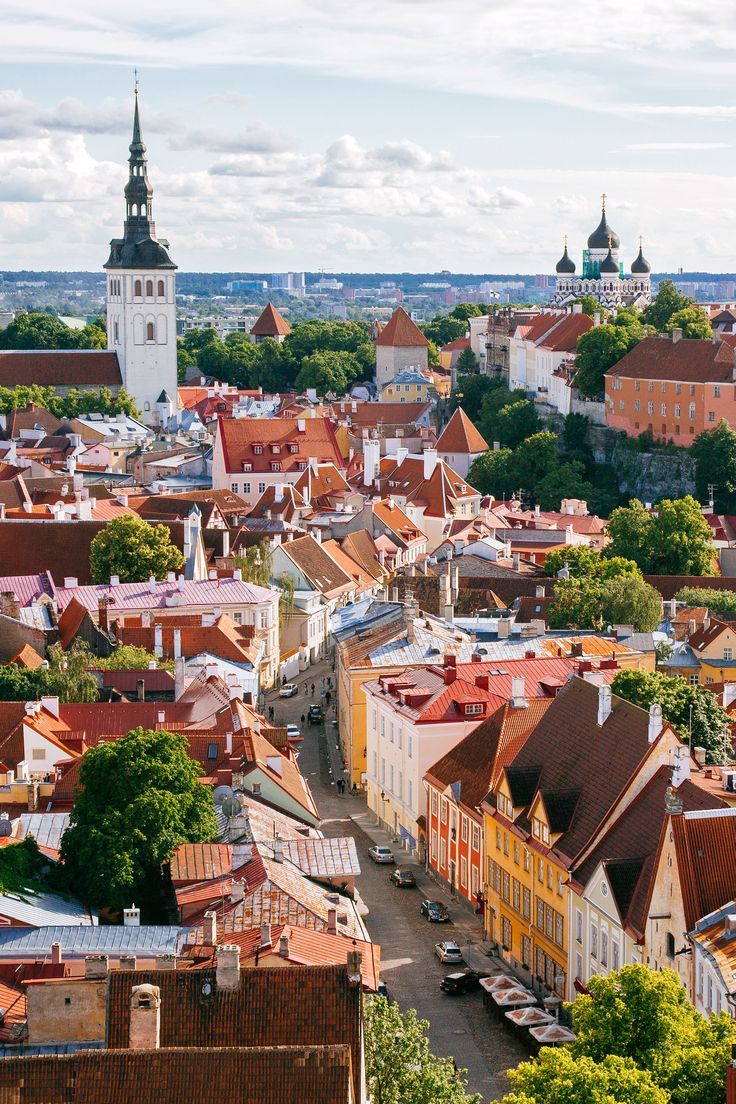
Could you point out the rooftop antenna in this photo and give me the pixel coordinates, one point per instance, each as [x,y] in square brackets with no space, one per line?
[136,84]
[603,200]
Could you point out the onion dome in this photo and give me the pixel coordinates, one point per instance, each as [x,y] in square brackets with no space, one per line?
[609,266]
[641,266]
[603,236]
[565,265]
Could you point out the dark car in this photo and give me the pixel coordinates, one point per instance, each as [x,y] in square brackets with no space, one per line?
[462,982]
[403,879]
[435,912]
[315,715]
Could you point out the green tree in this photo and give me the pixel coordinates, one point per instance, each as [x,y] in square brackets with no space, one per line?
[590,305]
[666,302]
[714,452]
[585,563]
[493,473]
[673,540]
[471,392]
[129,657]
[38,330]
[93,335]
[328,371]
[467,365]
[558,1077]
[718,601]
[464,311]
[66,677]
[684,707]
[256,566]
[133,550]
[693,323]
[629,529]
[577,604]
[598,350]
[399,1066]
[515,422]
[139,799]
[443,329]
[644,1015]
[630,601]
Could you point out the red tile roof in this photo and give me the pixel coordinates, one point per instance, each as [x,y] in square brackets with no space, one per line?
[270,323]
[240,437]
[195,862]
[690,360]
[401,331]
[28,657]
[703,637]
[460,435]
[369,415]
[318,567]
[55,368]
[702,842]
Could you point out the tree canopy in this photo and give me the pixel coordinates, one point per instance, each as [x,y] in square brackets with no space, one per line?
[714,452]
[444,329]
[600,591]
[602,347]
[139,799]
[674,539]
[719,601]
[328,371]
[684,707]
[75,402]
[693,322]
[667,302]
[400,1068]
[66,677]
[40,330]
[559,1077]
[466,363]
[133,550]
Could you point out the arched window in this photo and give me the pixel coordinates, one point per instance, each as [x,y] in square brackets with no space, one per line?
[161,291]
[150,335]
[117,333]
[149,287]
[138,288]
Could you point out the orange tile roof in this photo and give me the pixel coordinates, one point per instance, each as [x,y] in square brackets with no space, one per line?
[460,435]
[401,331]
[270,323]
[193,862]
[701,840]
[28,657]
[690,360]
[240,437]
[319,568]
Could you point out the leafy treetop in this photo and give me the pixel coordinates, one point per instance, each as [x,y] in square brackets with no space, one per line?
[133,550]
[674,539]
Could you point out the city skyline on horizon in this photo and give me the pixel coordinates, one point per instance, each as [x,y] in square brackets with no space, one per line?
[340,141]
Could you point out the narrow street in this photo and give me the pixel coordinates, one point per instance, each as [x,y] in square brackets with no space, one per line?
[459,1025]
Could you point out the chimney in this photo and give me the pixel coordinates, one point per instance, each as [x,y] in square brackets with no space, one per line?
[429,457]
[177,644]
[518,692]
[681,769]
[482,681]
[265,935]
[145,1018]
[140,690]
[96,967]
[284,946]
[102,614]
[180,584]
[676,334]
[178,678]
[596,318]
[226,542]
[158,641]
[127,962]
[227,961]
[278,492]
[504,628]
[70,582]
[539,592]
[655,721]
[699,756]
[151,584]
[277,846]
[332,921]
[691,626]
[604,704]
[729,928]
[354,975]
[448,612]
[516,561]
[146,619]
[450,674]
[209,929]
[237,575]
[673,608]
[165,962]
[56,953]
[131,917]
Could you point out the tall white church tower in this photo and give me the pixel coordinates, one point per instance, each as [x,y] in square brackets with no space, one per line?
[141,294]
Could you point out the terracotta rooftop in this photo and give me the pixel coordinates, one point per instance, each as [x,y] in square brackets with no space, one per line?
[460,435]
[270,323]
[264,442]
[702,839]
[318,567]
[52,368]
[690,360]
[401,331]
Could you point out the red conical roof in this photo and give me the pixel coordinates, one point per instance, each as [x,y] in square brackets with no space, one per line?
[400,330]
[271,323]
[460,435]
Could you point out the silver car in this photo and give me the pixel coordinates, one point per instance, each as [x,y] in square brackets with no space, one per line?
[448,951]
[381,854]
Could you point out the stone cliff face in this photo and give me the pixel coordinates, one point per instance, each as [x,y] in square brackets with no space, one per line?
[648,476]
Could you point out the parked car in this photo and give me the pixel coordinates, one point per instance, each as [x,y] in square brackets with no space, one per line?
[463,982]
[288,690]
[402,879]
[434,911]
[315,715]
[381,854]
[293,732]
[448,951]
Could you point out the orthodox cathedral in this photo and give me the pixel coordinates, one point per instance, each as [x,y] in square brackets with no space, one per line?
[602,273]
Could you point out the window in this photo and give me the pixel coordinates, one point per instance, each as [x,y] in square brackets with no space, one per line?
[463,871]
[464,829]
[650,408]
[578,926]
[614,955]
[621,404]
[234,487]
[678,388]
[498,839]
[604,948]
[149,287]
[692,388]
[650,386]
[526,951]
[212,751]
[409,743]
[549,922]
[246,488]
[410,793]
[550,876]
[433,844]
[474,880]
[711,416]
[527,860]
[691,411]
[506,933]
[505,885]
[444,811]
[559,929]
[540,871]
[391,777]
[637,404]
[716,392]
[516,852]
[138,288]
[517,895]
[664,387]
[275,465]
[38,753]
[728,653]
[694,680]
[677,410]
[258,449]
[150,332]
[473,709]
[526,904]
[161,289]
[593,941]
[637,385]
[476,838]
[670,945]
[443,852]
[261,488]
[560,882]
[664,410]
[505,844]
[540,913]
[435,802]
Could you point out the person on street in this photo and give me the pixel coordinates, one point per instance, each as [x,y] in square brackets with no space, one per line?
[312,689]
[303,720]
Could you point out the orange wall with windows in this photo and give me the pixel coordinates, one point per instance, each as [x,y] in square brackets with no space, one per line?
[669,409]
[455,840]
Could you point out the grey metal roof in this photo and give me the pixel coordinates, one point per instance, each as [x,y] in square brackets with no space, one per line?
[77,940]
[43,909]
[24,1051]
[46,828]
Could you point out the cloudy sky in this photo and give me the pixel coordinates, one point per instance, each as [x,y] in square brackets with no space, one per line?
[388,135]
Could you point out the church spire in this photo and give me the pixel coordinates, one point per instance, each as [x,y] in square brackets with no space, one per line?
[138,190]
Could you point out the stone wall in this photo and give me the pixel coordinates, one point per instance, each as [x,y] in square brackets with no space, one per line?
[648,476]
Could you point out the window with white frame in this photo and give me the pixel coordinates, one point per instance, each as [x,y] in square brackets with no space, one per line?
[464,828]
[435,802]
[476,839]
[578,926]
[443,811]
[433,844]
[593,941]
[463,871]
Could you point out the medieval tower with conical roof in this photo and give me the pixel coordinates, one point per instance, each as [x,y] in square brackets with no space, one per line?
[141,293]
[602,274]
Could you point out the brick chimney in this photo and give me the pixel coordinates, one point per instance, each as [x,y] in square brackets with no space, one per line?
[145,1018]
[56,953]
[332,921]
[284,946]
[227,966]
[103,614]
[96,967]
[209,929]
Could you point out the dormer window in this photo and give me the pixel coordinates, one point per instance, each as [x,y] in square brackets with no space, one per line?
[276,449]
[275,465]
[293,448]
[247,466]
[302,465]
[258,449]
[473,709]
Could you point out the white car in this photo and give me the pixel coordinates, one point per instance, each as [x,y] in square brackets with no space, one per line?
[293,732]
[448,951]
[381,854]
[288,690]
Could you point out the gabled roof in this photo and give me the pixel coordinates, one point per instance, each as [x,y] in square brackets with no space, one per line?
[704,843]
[270,323]
[28,657]
[319,568]
[401,331]
[476,762]
[689,360]
[240,437]
[704,637]
[223,639]
[371,415]
[282,771]
[60,368]
[460,435]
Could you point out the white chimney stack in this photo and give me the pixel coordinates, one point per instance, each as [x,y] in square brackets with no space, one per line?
[430,462]
[681,769]
[158,641]
[518,692]
[604,704]
[655,721]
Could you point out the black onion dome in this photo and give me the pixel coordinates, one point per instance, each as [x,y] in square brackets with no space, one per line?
[565,265]
[609,266]
[641,266]
[603,236]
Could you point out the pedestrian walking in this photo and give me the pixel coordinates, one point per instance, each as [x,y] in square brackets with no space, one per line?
[303,720]
[328,696]
[312,689]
